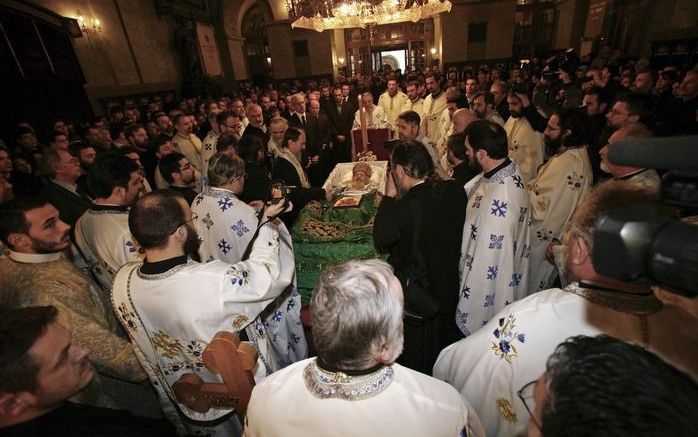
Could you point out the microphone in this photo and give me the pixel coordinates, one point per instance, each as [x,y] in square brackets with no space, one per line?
[667,153]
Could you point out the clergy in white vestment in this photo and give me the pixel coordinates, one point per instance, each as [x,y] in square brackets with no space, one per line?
[392,101]
[375,115]
[209,147]
[226,226]
[489,367]
[432,108]
[102,232]
[413,102]
[354,387]
[186,142]
[495,250]
[562,182]
[171,306]
[525,143]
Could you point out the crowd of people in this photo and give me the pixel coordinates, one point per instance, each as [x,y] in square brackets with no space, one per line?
[130,242]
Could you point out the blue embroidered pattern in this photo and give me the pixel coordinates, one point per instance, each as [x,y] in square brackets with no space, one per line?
[240,228]
[515,279]
[238,276]
[461,321]
[496,241]
[505,336]
[489,300]
[522,212]
[199,199]
[224,246]
[207,221]
[518,181]
[225,203]
[473,232]
[476,201]
[499,208]
[492,272]
[130,247]
[469,262]
[466,292]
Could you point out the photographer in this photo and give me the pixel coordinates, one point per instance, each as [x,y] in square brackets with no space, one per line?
[420,224]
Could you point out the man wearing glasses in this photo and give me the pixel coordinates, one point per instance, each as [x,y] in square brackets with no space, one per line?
[172,306]
[179,174]
[510,350]
[594,386]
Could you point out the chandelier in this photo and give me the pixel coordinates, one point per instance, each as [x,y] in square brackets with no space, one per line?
[320,15]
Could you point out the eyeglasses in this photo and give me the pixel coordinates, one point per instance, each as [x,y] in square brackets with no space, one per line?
[194,217]
[527,392]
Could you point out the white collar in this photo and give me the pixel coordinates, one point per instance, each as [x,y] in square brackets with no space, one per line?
[34,258]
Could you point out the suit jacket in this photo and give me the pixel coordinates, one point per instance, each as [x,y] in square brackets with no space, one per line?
[318,131]
[70,206]
[295,121]
[252,131]
[442,208]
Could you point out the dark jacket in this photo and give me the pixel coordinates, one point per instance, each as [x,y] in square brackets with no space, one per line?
[70,206]
[282,170]
[442,206]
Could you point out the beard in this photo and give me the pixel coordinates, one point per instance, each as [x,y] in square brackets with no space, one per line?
[44,247]
[475,165]
[552,146]
[478,114]
[515,114]
[192,243]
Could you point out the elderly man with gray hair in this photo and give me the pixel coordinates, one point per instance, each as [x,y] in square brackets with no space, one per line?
[354,387]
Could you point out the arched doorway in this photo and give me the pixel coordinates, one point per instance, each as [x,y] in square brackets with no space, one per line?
[256,46]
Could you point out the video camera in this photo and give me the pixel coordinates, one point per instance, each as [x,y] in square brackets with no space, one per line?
[645,243]
[566,60]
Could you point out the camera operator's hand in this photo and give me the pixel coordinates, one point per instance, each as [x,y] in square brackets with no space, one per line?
[273,210]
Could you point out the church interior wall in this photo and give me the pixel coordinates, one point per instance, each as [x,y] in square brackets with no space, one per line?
[109,66]
[499,14]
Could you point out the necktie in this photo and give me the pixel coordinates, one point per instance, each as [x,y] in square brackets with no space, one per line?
[303,119]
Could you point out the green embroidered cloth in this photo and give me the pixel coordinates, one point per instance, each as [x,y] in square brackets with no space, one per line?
[324,236]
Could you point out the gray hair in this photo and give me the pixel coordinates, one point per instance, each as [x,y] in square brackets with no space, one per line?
[222,169]
[355,314]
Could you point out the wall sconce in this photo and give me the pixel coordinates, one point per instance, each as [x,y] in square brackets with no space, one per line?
[269,61]
[433,51]
[85,27]
[340,61]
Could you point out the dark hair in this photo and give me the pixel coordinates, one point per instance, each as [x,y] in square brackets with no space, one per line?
[177,117]
[577,121]
[159,141]
[19,329]
[456,144]
[604,386]
[292,134]
[414,158]
[410,117]
[638,104]
[223,116]
[132,128]
[249,147]
[110,170]
[154,217]
[602,96]
[13,215]
[170,164]
[56,133]
[460,101]
[225,141]
[483,134]
[487,96]
[127,150]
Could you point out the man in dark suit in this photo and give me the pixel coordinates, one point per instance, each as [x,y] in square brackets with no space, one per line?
[256,126]
[420,224]
[341,115]
[297,117]
[318,132]
[63,170]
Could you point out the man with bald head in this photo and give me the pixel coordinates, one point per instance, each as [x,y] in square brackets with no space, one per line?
[461,119]
[645,176]
[256,126]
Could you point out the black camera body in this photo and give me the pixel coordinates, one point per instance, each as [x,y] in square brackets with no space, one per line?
[645,242]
